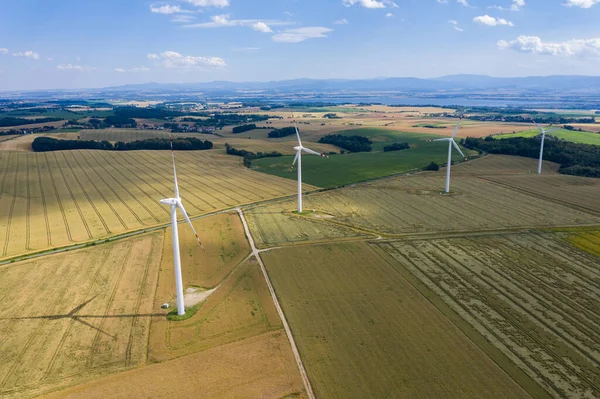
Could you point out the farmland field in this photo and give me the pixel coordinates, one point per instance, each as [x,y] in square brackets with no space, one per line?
[258,367]
[413,204]
[58,198]
[351,168]
[497,165]
[568,135]
[77,316]
[275,224]
[127,135]
[533,296]
[365,332]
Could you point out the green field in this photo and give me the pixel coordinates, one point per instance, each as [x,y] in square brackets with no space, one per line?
[345,169]
[568,135]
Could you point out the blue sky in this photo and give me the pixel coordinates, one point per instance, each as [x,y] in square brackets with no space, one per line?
[82,44]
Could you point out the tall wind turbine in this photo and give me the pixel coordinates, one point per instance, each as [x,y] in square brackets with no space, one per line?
[542,146]
[298,159]
[176,203]
[451,143]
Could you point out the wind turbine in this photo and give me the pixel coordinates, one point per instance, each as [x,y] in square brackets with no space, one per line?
[451,143]
[176,203]
[298,159]
[542,146]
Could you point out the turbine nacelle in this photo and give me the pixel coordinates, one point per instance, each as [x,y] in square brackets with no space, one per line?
[298,148]
[170,201]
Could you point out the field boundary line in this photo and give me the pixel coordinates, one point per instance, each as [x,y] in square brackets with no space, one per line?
[12,207]
[286,326]
[39,174]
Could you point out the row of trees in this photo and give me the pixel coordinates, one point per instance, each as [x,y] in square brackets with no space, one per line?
[396,147]
[250,156]
[574,158]
[283,132]
[9,121]
[350,143]
[550,119]
[43,144]
[244,128]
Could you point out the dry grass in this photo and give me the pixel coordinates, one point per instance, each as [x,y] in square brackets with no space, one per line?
[365,332]
[258,367]
[493,165]
[59,198]
[78,316]
[21,143]
[127,135]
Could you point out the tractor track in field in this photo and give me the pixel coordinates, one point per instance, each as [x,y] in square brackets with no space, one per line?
[11,210]
[85,193]
[108,203]
[44,206]
[113,191]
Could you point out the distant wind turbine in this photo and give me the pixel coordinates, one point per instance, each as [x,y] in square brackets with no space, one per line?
[298,159]
[542,146]
[451,143]
[176,203]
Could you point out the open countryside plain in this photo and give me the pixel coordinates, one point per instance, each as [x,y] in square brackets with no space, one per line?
[59,198]
[507,266]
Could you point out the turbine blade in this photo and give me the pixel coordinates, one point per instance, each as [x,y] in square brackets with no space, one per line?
[308,150]
[174,168]
[538,126]
[456,128]
[187,218]
[297,132]
[295,160]
[458,149]
[551,130]
[79,307]
[444,139]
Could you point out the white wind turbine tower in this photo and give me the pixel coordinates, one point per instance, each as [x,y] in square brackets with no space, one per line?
[298,159]
[176,203]
[542,146]
[451,143]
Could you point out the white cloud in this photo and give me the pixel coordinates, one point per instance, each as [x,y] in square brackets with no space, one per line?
[569,48]
[27,54]
[342,21]
[261,27]
[121,70]
[166,9]
[455,25]
[50,59]
[464,3]
[491,21]
[389,15]
[184,19]
[224,21]
[3,51]
[246,49]
[515,6]
[301,34]
[71,67]
[442,1]
[370,3]
[134,70]
[172,60]
[581,3]
[209,3]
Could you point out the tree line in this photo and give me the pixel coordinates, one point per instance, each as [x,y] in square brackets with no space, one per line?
[250,156]
[396,147]
[283,132]
[350,143]
[574,158]
[9,121]
[43,144]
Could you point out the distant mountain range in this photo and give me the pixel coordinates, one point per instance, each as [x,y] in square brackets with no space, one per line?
[453,83]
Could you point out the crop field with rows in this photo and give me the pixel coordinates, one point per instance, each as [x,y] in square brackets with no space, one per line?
[59,198]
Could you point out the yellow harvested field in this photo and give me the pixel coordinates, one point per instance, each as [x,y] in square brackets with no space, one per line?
[60,198]
[414,204]
[76,316]
[9,137]
[285,145]
[364,331]
[258,367]
[56,124]
[21,143]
